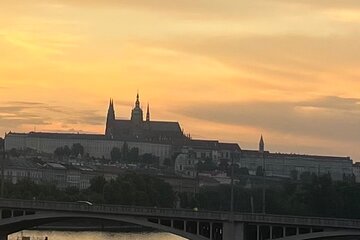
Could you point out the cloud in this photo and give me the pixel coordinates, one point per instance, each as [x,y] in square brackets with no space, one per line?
[336,103]
[291,50]
[350,4]
[329,117]
[83,117]
[14,114]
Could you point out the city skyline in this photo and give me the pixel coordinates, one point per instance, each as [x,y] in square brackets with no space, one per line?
[230,71]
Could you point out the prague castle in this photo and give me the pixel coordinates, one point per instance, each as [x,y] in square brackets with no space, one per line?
[136,129]
[166,139]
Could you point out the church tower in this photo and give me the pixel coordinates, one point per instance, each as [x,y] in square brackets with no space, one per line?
[261,145]
[137,113]
[148,113]
[110,119]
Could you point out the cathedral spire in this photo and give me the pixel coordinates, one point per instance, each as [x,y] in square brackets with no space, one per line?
[137,113]
[110,119]
[148,113]
[137,103]
[261,144]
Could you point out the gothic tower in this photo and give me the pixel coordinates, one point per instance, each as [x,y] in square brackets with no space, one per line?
[137,113]
[261,145]
[110,119]
[148,113]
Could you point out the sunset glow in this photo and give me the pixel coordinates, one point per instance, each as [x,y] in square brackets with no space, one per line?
[228,70]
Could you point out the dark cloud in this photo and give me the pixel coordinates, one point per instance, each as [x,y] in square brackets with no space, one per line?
[84,117]
[331,117]
[16,113]
[23,103]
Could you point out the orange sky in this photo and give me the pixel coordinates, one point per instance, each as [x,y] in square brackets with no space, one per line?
[227,70]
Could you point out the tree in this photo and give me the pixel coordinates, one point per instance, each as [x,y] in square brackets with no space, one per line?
[97,184]
[294,174]
[14,152]
[124,152]
[207,165]
[77,149]
[59,152]
[67,151]
[259,171]
[168,162]
[133,155]
[149,159]
[224,165]
[115,154]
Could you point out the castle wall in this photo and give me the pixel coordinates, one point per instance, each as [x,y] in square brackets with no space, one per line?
[94,147]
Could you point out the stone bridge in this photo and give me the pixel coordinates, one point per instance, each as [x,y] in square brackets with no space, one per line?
[17,215]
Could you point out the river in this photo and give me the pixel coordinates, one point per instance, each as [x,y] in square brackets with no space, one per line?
[65,235]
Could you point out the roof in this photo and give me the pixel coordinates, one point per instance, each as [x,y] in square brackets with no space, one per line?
[317,157]
[256,153]
[66,135]
[153,125]
[56,166]
[230,146]
[165,126]
[204,144]
[21,163]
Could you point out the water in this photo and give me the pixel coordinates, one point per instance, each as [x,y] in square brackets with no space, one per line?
[65,235]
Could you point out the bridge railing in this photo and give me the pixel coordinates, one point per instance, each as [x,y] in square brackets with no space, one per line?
[177,213]
[108,209]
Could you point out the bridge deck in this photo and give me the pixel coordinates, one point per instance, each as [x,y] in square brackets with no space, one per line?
[178,213]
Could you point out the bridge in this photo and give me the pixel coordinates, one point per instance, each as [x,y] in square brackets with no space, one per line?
[17,215]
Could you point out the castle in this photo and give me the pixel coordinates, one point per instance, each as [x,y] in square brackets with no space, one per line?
[136,129]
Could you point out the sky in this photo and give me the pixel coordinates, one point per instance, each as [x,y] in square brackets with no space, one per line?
[229,70]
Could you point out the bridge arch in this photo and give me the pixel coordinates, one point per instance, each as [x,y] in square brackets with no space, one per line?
[16,224]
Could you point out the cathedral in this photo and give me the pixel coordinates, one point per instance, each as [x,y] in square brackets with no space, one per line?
[138,129]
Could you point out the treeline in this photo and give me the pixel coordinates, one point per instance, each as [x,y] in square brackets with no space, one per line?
[129,189]
[76,150]
[131,155]
[117,155]
[311,195]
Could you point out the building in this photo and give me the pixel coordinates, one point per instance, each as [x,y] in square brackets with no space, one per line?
[185,164]
[96,145]
[63,176]
[139,130]
[18,169]
[356,171]
[283,164]
[212,149]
